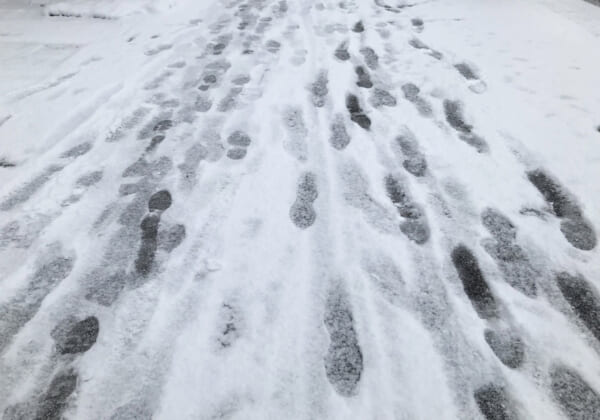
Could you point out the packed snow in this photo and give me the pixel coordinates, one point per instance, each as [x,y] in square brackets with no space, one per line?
[317,209]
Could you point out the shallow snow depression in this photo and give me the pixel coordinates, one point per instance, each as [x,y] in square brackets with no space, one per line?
[269,209]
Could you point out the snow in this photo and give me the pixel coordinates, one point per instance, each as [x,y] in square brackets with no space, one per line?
[105,9]
[395,219]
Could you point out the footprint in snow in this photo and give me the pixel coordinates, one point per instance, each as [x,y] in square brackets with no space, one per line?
[494,404]
[466,71]
[344,359]
[239,141]
[576,229]
[474,283]
[417,24]
[158,203]
[356,113]
[302,212]
[575,396]
[454,116]
[510,257]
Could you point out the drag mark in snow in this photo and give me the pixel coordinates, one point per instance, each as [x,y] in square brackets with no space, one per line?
[574,227]
[295,142]
[49,85]
[494,403]
[414,226]
[474,284]
[23,307]
[579,401]
[582,298]
[344,359]
[411,93]
[356,113]
[456,119]
[27,229]
[510,257]
[302,212]
[339,137]
[24,193]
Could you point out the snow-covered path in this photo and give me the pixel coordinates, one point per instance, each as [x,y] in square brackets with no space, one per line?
[269,209]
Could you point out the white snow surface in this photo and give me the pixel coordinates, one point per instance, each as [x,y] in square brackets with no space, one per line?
[275,209]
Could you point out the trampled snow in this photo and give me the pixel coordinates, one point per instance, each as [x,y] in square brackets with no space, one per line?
[268,209]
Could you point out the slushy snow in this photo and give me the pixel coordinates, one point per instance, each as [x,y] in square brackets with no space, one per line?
[274,209]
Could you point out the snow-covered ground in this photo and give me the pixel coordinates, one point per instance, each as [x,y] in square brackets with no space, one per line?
[275,209]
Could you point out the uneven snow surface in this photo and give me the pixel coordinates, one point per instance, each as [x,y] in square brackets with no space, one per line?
[313,209]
